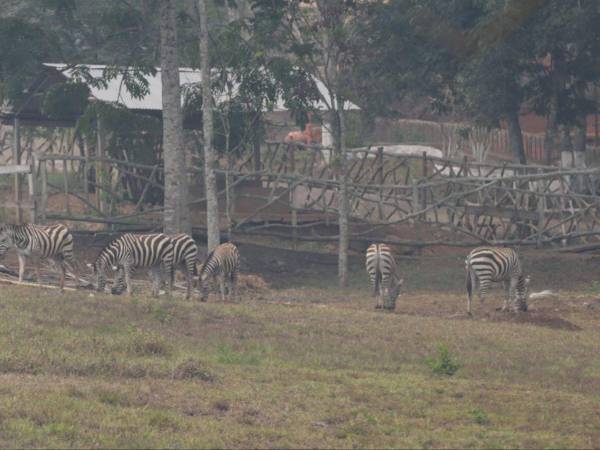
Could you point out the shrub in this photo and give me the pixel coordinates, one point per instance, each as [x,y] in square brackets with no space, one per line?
[443,364]
[480,417]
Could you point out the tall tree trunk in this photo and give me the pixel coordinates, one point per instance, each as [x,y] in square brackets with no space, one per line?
[210,160]
[344,211]
[176,216]
[515,137]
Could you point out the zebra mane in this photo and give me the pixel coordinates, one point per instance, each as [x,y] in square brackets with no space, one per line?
[105,249]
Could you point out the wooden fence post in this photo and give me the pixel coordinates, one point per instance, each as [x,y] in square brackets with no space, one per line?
[291,163]
[380,164]
[32,193]
[66,186]
[16,161]
[100,175]
[44,189]
[423,194]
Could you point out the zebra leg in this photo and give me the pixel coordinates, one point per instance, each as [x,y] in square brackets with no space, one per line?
[385,293]
[483,288]
[512,300]
[22,261]
[170,272]
[234,279]
[378,291]
[167,274]
[156,278]
[127,274]
[189,280]
[61,268]
[507,294]
[222,286]
[471,284]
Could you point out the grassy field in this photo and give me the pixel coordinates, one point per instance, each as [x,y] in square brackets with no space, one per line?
[304,366]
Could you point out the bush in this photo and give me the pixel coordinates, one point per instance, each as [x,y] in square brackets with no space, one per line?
[443,364]
[480,417]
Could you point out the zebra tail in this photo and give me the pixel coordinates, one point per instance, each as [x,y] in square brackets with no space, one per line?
[469,282]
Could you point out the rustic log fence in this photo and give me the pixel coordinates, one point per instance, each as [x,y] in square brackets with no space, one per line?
[453,139]
[21,202]
[291,192]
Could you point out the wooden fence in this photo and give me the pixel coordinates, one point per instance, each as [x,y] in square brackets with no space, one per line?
[292,191]
[20,201]
[453,139]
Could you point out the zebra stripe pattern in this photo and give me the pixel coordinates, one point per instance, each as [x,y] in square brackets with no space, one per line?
[223,263]
[485,265]
[131,251]
[185,253]
[381,267]
[53,242]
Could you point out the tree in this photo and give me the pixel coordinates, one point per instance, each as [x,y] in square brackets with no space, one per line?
[566,45]
[320,37]
[176,216]
[210,160]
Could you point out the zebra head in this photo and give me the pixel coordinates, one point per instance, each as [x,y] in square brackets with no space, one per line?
[5,240]
[204,274]
[522,292]
[394,291]
[106,259]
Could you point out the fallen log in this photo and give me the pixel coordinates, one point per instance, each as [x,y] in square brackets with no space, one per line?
[37,285]
[579,248]
[6,270]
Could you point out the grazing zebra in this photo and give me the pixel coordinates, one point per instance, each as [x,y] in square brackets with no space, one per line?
[185,253]
[131,251]
[487,264]
[52,242]
[222,263]
[381,268]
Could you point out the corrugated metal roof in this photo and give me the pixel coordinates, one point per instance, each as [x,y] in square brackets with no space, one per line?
[117,93]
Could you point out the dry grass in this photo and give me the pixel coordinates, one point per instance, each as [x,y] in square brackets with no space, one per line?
[311,366]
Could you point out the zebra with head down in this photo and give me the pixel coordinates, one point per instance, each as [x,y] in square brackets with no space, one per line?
[381,267]
[132,251]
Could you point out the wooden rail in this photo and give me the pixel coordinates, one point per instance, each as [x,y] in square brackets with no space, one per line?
[476,202]
[19,204]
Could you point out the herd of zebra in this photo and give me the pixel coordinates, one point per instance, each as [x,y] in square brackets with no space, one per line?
[484,265]
[162,254]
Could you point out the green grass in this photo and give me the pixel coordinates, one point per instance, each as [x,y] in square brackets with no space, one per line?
[323,371]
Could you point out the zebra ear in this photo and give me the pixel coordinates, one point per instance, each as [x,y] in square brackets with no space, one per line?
[527,280]
[400,281]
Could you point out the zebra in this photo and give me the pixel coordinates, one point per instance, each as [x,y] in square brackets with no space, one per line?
[381,268]
[492,264]
[222,263]
[185,253]
[53,242]
[131,251]
[185,256]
